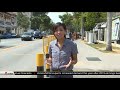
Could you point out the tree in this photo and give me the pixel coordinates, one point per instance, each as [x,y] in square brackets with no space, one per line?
[84,20]
[109,31]
[23,21]
[76,21]
[80,21]
[35,22]
[39,13]
[40,21]
[45,22]
[92,18]
[67,19]
[103,16]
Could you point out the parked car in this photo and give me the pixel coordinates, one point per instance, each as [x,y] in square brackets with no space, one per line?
[43,34]
[37,34]
[7,35]
[1,36]
[27,36]
[14,35]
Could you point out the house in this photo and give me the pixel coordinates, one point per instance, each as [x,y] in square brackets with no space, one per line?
[99,31]
[102,30]
[116,30]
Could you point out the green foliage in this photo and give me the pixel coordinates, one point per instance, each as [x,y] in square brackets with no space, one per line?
[67,19]
[22,20]
[39,13]
[35,22]
[76,21]
[92,18]
[41,21]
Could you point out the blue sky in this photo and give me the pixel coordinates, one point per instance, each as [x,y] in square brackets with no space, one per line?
[55,16]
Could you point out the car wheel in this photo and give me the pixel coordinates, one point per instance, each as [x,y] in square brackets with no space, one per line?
[41,37]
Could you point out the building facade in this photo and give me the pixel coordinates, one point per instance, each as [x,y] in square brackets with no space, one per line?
[8,22]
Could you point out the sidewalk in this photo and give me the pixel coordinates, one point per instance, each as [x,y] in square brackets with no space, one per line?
[109,61]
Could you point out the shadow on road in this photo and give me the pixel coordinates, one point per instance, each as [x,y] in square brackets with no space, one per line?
[4,47]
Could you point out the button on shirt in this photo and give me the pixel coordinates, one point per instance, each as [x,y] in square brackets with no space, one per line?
[61,57]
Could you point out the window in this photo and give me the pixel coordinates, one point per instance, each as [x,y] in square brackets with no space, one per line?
[2,22]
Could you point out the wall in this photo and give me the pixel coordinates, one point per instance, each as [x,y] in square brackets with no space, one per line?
[115,29]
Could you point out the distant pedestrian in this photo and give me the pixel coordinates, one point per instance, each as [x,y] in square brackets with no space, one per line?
[70,34]
[62,52]
[73,36]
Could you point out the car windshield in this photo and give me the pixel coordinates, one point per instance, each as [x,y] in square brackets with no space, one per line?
[26,33]
[13,34]
[37,32]
[8,23]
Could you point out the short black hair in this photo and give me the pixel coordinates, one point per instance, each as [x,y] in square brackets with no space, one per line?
[55,26]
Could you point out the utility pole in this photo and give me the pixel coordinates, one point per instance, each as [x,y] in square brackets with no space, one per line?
[109,31]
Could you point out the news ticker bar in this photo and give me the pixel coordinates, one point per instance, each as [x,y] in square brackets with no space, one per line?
[57,73]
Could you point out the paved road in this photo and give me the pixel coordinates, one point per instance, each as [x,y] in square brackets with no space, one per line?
[20,57]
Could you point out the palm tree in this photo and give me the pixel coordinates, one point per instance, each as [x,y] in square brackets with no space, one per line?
[109,31]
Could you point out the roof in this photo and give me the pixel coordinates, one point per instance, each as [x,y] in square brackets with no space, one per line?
[104,25]
[99,25]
